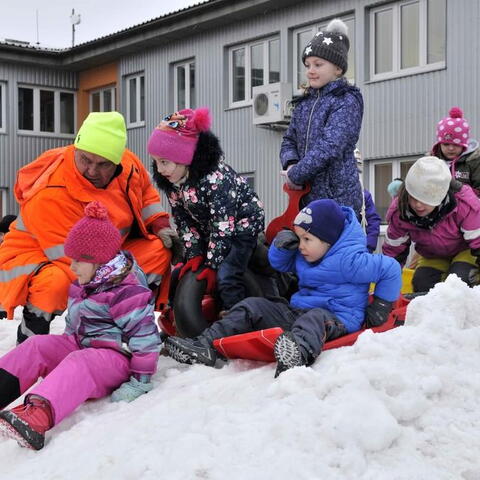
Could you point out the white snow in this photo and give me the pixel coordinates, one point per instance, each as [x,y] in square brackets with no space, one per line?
[403,404]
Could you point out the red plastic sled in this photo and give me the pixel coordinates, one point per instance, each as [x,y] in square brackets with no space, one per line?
[259,345]
[285,220]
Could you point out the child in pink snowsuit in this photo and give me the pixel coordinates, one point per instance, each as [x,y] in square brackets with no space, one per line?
[109,304]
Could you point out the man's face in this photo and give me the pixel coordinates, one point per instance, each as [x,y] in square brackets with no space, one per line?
[96,169]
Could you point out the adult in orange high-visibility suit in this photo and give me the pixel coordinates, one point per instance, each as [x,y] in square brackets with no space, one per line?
[52,192]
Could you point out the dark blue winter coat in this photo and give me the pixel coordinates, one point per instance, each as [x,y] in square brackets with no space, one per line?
[320,142]
[373,221]
[339,282]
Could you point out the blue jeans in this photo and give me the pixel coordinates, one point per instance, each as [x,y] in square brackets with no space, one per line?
[230,272]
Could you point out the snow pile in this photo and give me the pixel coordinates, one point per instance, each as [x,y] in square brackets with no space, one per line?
[401,404]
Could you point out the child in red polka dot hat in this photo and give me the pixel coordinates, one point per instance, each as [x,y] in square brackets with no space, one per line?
[454,145]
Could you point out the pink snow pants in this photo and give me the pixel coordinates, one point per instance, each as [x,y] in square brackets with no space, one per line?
[71,374]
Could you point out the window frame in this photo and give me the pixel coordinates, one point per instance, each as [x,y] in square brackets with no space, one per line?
[396,164]
[249,176]
[3,107]
[397,70]
[186,65]
[314,28]
[101,90]
[3,200]
[137,76]
[265,42]
[56,111]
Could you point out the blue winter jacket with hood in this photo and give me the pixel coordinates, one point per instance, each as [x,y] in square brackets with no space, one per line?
[339,282]
[320,141]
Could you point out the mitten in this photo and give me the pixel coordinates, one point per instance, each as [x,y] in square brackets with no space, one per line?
[129,391]
[377,312]
[210,276]
[286,239]
[167,235]
[193,264]
[290,184]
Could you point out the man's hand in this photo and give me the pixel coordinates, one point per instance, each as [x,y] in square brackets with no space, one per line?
[167,235]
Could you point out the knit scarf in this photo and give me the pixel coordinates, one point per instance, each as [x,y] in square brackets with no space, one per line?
[429,221]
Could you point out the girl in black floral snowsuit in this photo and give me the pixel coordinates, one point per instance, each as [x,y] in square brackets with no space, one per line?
[217,214]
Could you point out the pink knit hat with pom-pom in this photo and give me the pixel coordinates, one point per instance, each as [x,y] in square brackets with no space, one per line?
[453,129]
[93,239]
[176,137]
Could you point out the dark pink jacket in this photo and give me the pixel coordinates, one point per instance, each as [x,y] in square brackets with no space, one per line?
[457,231]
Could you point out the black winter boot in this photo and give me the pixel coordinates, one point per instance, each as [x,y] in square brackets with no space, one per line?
[9,388]
[191,350]
[32,324]
[288,353]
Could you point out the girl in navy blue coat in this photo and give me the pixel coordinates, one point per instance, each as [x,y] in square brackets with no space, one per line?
[328,253]
[318,146]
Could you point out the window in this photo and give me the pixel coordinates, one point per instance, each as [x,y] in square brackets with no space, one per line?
[407,37]
[250,65]
[303,35]
[382,172]
[135,86]
[3,107]
[184,81]
[250,179]
[46,111]
[103,99]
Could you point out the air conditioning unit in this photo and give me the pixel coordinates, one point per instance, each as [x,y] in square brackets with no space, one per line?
[272,103]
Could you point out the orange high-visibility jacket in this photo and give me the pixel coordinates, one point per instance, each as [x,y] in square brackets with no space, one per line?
[52,195]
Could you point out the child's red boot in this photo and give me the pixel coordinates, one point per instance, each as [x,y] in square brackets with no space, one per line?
[28,423]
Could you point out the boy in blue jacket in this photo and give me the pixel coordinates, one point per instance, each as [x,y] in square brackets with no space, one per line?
[328,253]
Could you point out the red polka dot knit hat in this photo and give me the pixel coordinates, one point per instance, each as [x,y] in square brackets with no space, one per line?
[453,129]
[93,239]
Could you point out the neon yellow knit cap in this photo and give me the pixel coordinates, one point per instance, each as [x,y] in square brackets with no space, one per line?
[104,134]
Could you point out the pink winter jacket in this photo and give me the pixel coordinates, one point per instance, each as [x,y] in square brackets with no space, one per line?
[457,231]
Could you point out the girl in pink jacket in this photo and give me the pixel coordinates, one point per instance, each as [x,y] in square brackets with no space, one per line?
[442,218]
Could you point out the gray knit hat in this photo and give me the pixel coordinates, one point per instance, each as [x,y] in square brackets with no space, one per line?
[331,44]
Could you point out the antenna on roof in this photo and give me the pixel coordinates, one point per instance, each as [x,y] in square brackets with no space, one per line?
[74,20]
[38,36]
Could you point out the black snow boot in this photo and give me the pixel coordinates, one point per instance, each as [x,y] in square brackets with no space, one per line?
[9,388]
[288,353]
[32,324]
[191,350]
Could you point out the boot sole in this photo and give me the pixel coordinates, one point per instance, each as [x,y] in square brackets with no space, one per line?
[287,354]
[7,429]
[176,351]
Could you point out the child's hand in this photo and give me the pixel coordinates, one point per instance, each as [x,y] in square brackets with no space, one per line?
[286,239]
[377,312]
[129,391]
[193,264]
[290,184]
[210,276]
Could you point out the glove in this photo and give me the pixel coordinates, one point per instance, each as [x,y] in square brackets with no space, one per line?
[167,235]
[377,312]
[193,264]
[290,184]
[129,391]
[210,276]
[286,239]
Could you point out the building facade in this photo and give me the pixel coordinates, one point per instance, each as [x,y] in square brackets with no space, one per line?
[412,60]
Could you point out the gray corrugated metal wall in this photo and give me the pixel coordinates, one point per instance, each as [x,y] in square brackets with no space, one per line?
[16,151]
[400,114]
[247,148]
